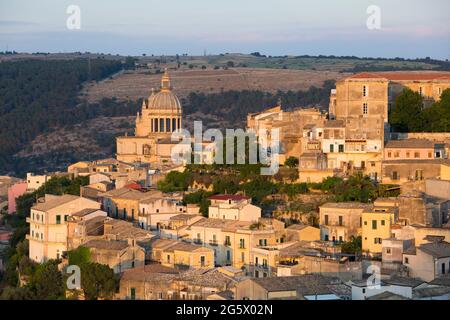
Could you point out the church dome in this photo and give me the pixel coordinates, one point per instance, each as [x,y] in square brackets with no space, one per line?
[164,99]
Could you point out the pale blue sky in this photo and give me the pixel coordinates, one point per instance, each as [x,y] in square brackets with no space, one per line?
[409,28]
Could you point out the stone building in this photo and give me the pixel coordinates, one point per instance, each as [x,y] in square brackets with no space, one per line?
[339,221]
[415,207]
[160,116]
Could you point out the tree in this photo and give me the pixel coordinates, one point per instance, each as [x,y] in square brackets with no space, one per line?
[291,162]
[406,116]
[97,281]
[21,293]
[353,246]
[47,282]
[79,256]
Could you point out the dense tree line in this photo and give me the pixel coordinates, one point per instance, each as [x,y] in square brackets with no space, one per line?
[37,95]
[233,106]
[409,114]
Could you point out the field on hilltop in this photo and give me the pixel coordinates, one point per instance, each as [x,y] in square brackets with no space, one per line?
[135,84]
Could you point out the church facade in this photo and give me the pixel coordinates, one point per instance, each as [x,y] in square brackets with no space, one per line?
[161,115]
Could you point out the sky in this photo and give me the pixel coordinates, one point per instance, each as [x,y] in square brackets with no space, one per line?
[407,28]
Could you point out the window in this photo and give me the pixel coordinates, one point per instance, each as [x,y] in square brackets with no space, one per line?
[406,260]
[228,255]
[419,175]
[202,261]
[58,219]
[439,91]
[161,125]
[430,154]
[242,243]
[256,274]
[421,91]
[443,268]
[396,154]
[365,91]
[168,258]
[66,217]
[365,223]
[340,220]
[133,293]
[407,154]
[416,154]
[331,147]
[326,220]
[263,242]
[242,256]
[340,239]
[227,240]
[388,250]
[341,148]
[326,238]
[383,222]
[395,175]
[365,108]
[377,240]
[167,125]
[389,154]
[174,124]
[374,224]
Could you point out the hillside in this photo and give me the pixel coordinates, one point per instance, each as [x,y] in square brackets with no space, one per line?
[60,108]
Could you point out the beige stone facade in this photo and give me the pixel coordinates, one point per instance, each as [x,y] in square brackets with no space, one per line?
[160,116]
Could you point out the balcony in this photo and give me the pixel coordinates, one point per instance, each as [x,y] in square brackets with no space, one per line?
[198,241]
[213,243]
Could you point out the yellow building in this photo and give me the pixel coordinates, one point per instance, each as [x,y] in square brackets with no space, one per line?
[233,240]
[172,253]
[161,114]
[302,232]
[48,224]
[376,227]
[341,220]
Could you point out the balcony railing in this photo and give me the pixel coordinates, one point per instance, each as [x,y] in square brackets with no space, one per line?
[213,243]
[198,241]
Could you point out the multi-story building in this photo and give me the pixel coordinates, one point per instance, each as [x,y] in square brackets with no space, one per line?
[376,227]
[232,240]
[48,224]
[173,253]
[233,207]
[429,260]
[341,220]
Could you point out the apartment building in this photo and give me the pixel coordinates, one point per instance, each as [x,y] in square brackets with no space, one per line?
[341,220]
[48,224]
[233,207]
[429,260]
[376,226]
[173,253]
[232,240]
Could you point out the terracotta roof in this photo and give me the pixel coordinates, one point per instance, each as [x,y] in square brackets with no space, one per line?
[84,212]
[387,296]
[403,76]
[107,245]
[233,197]
[411,143]
[344,205]
[430,292]
[437,250]
[150,272]
[304,284]
[55,202]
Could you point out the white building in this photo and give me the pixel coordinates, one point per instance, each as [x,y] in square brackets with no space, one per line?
[233,207]
[34,182]
[48,224]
